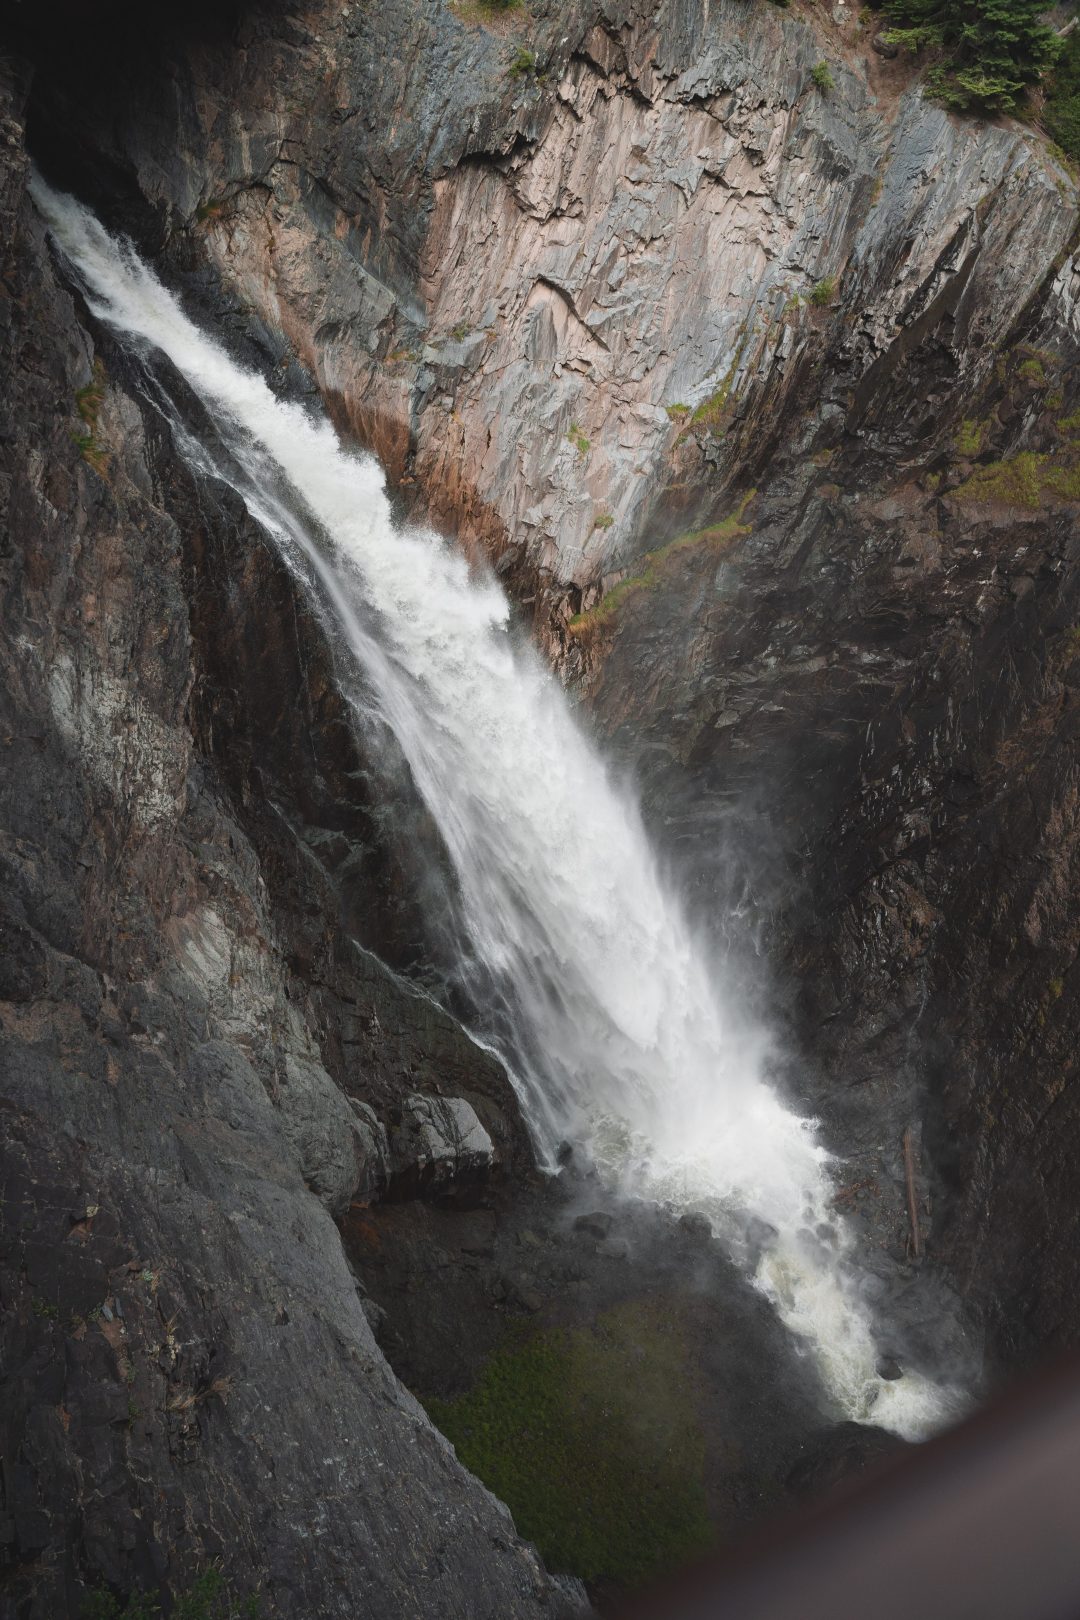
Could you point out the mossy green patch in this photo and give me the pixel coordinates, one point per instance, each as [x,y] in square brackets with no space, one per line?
[1063,482]
[715,535]
[208,1598]
[483,11]
[590,1437]
[1025,480]
[88,400]
[212,208]
[578,440]
[1014,482]
[710,412]
[88,403]
[522,62]
[1032,371]
[970,436]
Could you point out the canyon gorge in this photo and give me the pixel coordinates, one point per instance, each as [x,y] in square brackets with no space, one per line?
[539,647]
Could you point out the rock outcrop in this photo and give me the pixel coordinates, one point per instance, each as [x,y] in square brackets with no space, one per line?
[439,1147]
[582,305]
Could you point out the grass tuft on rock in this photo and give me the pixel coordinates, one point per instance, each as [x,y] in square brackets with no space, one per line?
[715,535]
[1014,482]
[970,436]
[590,1437]
[522,62]
[88,403]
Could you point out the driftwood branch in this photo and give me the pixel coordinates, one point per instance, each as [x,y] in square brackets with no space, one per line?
[909,1177]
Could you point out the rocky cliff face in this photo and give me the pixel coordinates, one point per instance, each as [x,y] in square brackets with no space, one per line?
[191,1373]
[570,299]
[511,253]
[762,401]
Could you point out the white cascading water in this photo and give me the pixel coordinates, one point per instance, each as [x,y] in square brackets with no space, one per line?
[608,1012]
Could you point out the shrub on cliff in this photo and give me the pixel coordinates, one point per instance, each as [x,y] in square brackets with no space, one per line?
[993,48]
[209,1598]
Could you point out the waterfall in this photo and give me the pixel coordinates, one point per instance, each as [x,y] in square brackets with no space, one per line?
[611,1016]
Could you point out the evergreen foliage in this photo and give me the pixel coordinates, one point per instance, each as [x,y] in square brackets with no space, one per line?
[993,48]
[1062,112]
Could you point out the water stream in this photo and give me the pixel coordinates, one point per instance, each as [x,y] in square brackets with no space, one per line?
[615,1022]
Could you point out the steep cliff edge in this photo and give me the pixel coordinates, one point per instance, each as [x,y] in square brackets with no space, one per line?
[191,1373]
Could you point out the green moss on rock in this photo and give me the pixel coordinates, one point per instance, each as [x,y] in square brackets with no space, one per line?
[590,1436]
[88,403]
[1014,482]
[970,436]
[1023,480]
[716,534]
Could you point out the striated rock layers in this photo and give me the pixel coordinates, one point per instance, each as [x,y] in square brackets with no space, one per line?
[520,279]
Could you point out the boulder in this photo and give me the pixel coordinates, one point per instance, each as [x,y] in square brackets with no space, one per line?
[439,1148]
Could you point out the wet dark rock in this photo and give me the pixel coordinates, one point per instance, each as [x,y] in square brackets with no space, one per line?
[596,1225]
[815,708]
[755,1399]
[839,1454]
[696,1227]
